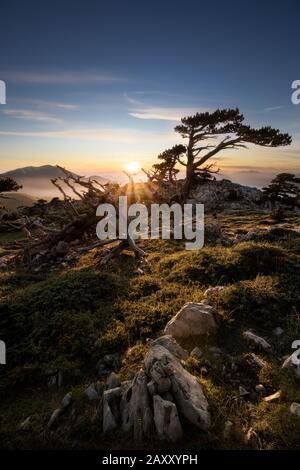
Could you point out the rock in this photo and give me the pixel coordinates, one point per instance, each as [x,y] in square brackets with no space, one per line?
[273,397]
[168,342]
[166,420]
[152,388]
[91,393]
[186,390]
[260,388]
[193,319]
[53,419]
[227,195]
[111,409]
[289,365]
[66,401]
[254,361]
[109,421]
[136,408]
[257,341]
[295,409]
[277,331]
[24,425]
[197,353]
[228,428]
[242,391]
[112,381]
[107,364]
[213,290]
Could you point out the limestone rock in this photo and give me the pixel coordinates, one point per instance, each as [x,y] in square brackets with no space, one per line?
[166,420]
[168,342]
[258,341]
[194,319]
[185,388]
[111,409]
[112,381]
[91,393]
[289,365]
[295,409]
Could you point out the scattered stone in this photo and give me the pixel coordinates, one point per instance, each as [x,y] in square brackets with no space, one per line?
[53,419]
[112,381]
[66,401]
[24,425]
[91,393]
[254,361]
[257,341]
[194,319]
[197,353]
[260,388]
[228,428]
[203,372]
[273,397]
[242,391]
[166,420]
[277,331]
[289,365]
[295,409]
[213,290]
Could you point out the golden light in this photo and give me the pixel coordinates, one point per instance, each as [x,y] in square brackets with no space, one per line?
[132,167]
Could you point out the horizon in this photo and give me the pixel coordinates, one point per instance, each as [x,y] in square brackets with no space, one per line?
[113,94]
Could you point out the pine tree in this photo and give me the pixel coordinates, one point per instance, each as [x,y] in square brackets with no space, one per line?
[209,133]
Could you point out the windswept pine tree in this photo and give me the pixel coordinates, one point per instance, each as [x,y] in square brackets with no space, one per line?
[209,133]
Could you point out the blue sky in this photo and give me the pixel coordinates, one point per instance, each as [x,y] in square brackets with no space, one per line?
[94,84]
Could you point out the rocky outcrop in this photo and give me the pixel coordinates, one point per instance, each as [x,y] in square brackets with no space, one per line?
[194,319]
[162,395]
[223,194]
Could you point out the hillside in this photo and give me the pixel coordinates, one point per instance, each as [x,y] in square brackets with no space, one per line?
[68,328]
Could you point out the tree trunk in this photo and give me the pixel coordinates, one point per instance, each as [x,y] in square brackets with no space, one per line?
[188,181]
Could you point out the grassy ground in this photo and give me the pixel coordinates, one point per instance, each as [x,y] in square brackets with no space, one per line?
[67,320]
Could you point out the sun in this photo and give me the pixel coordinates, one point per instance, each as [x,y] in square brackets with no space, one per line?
[132,167]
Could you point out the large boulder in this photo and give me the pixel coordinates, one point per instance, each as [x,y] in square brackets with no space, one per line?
[194,319]
[167,372]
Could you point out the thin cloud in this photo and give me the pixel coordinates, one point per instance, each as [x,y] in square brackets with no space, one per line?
[164,114]
[63,78]
[271,108]
[31,115]
[116,135]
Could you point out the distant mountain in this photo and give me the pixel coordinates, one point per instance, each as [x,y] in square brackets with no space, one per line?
[35,180]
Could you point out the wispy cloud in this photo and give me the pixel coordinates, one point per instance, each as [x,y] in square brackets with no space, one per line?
[31,115]
[271,108]
[165,114]
[115,135]
[62,77]
[142,109]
